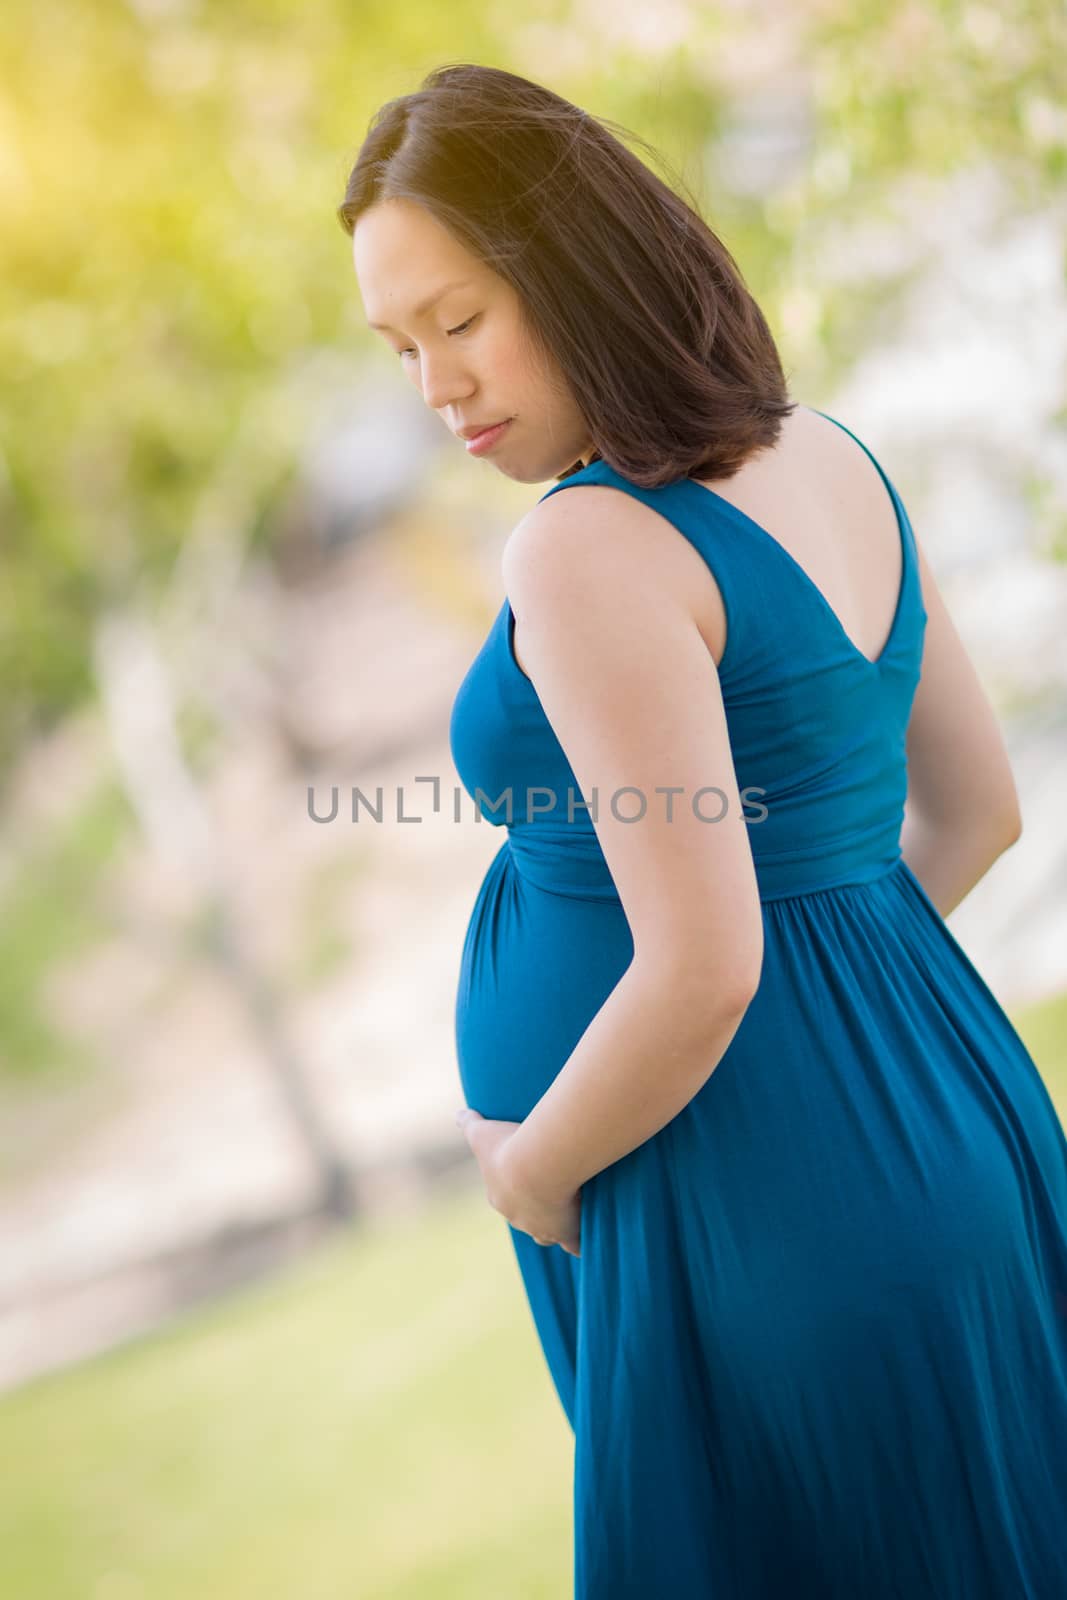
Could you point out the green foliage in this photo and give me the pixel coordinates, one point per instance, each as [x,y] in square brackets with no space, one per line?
[167,192]
[928,86]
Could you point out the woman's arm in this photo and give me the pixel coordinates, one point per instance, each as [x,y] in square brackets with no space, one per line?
[650,1048]
[962,808]
[949,859]
[600,587]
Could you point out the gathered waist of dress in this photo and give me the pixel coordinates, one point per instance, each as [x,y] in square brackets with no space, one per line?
[567,860]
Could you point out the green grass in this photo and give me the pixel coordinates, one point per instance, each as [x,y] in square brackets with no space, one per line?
[1043,1029]
[377,1424]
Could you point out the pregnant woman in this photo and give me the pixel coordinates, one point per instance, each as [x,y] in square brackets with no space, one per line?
[788,1195]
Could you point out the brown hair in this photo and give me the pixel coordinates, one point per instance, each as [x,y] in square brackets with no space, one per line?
[640,305]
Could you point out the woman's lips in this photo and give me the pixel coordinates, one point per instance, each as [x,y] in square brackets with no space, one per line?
[486,440]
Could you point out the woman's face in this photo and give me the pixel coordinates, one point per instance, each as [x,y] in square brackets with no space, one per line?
[468,353]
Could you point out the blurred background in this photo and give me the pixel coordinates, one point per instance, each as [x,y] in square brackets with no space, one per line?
[260,1332]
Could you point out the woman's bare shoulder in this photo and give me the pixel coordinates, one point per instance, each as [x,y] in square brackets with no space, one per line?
[599,534]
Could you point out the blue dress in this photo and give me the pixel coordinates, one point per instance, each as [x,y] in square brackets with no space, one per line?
[815,1343]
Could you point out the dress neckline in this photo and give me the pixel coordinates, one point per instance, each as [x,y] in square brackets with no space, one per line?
[599,469]
[872,663]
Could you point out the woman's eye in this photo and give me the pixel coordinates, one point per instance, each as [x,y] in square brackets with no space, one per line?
[450,331]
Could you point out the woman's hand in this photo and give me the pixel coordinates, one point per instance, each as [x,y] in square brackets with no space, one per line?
[547,1219]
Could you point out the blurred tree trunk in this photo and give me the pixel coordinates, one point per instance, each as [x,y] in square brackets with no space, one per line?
[138,700]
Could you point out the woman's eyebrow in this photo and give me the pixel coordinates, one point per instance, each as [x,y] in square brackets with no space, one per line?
[423,305]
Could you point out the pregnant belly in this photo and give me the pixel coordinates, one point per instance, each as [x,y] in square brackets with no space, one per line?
[536,968]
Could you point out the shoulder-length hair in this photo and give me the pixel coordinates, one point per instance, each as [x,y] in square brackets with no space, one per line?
[621,282]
